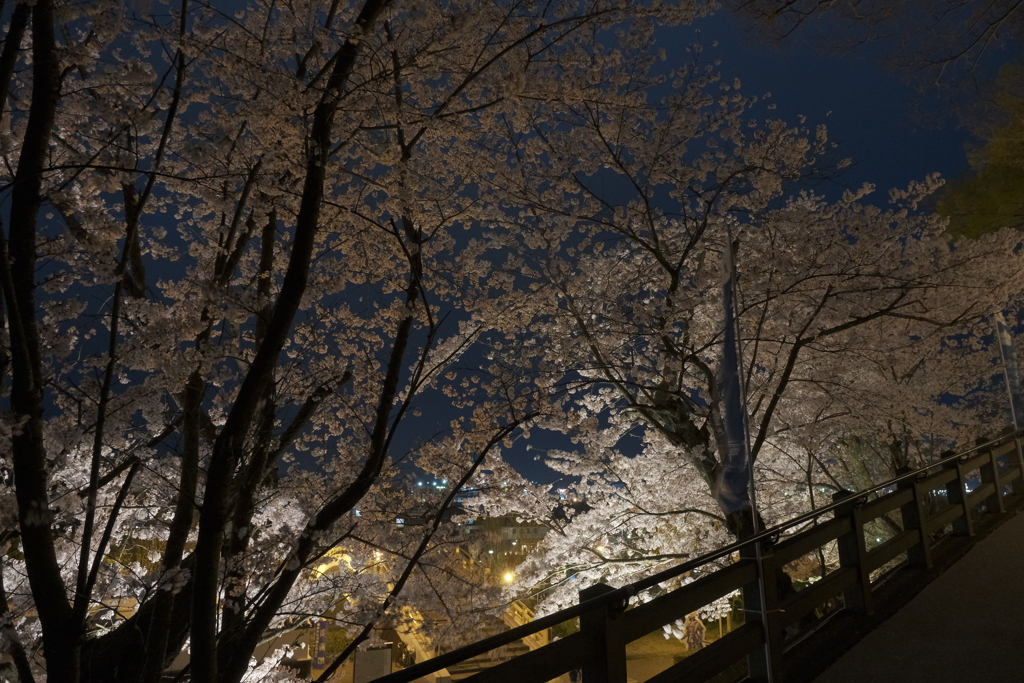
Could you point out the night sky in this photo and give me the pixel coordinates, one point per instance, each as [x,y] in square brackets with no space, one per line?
[869,112]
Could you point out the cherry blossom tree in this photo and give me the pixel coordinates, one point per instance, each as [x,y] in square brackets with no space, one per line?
[238,296]
[858,324]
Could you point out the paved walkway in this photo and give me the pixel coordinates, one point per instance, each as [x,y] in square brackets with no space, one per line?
[967,626]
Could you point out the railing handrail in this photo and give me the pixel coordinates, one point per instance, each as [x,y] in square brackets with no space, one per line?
[625,592]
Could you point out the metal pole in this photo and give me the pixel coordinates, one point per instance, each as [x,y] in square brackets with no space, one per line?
[745,418]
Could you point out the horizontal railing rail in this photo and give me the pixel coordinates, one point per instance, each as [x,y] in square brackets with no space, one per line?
[606,626]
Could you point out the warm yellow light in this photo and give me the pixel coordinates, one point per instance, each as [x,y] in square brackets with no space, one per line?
[509,577]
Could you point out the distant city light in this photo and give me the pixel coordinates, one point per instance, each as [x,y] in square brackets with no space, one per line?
[509,577]
[490,552]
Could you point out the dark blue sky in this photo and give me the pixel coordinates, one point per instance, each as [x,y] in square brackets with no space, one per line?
[867,109]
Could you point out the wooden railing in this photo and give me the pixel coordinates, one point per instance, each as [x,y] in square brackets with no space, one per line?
[933,504]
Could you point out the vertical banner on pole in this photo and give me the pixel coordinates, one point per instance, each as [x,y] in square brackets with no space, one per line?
[733,486]
[319,663]
[1008,353]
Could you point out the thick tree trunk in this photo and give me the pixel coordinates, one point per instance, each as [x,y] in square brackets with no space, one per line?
[61,636]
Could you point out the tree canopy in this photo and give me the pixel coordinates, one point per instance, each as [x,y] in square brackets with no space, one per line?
[260,265]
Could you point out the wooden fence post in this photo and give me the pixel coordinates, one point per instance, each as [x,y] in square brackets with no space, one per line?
[955,494]
[852,553]
[604,626]
[1018,456]
[913,514]
[1020,453]
[990,474]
